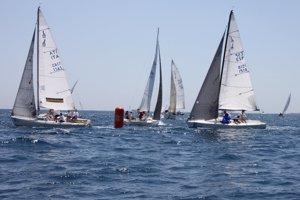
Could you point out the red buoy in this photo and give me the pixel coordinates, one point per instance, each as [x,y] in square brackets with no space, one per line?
[119,117]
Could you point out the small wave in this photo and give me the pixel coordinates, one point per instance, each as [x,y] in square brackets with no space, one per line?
[22,140]
[229,157]
[283,128]
[103,127]
[160,123]
[123,170]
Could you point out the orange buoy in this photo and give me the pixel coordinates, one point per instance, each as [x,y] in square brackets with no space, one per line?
[119,117]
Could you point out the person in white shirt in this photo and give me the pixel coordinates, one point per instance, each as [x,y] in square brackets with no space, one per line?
[75,115]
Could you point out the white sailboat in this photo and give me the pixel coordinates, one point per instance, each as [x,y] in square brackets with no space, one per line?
[144,117]
[176,93]
[53,91]
[227,86]
[286,106]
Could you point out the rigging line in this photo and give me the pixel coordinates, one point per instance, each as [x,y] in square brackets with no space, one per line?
[64,91]
[235,31]
[242,73]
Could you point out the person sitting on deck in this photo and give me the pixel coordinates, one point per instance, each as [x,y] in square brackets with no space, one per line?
[56,114]
[141,115]
[61,118]
[75,116]
[68,116]
[127,116]
[242,117]
[50,115]
[226,118]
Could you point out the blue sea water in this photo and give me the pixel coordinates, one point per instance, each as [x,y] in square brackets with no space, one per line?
[170,161]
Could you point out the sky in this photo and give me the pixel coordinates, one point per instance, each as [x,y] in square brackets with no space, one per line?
[109,46]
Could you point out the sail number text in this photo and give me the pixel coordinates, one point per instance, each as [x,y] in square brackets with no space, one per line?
[239,56]
[56,65]
[242,68]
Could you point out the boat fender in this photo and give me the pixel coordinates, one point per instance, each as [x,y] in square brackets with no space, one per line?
[119,117]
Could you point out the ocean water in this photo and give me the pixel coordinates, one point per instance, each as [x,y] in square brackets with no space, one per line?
[170,161]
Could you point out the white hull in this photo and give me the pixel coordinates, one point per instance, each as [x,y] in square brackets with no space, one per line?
[138,122]
[214,123]
[43,122]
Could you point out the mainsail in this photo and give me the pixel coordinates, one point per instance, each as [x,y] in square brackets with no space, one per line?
[157,110]
[53,89]
[287,104]
[177,92]
[145,104]
[236,88]
[25,104]
[206,104]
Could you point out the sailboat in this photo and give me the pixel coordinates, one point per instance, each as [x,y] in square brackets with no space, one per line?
[144,117]
[226,87]
[286,106]
[53,91]
[176,93]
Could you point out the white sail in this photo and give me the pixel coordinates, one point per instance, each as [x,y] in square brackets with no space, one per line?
[54,91]
[172,107]
[236,87]
[145,104]
[287,104]
[177,92]
[25,103]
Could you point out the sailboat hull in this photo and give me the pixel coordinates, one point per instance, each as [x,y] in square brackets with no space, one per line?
[43,122]
[215,124]
[138,122]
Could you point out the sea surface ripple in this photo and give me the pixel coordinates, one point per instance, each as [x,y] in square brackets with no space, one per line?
[170,161]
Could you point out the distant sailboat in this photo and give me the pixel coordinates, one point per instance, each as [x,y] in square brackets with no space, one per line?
[286,106]
[53,91]
[144,117]
[176,93]
[227,86]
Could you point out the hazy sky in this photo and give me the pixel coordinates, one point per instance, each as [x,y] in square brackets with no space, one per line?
[108,46]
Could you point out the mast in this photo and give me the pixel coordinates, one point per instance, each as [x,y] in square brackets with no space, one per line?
[224,53]
[38,63]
